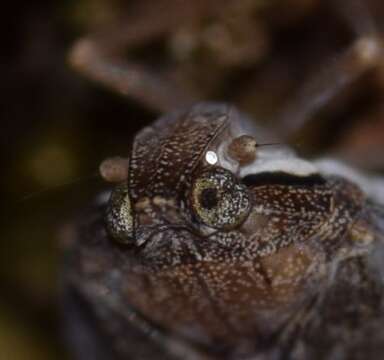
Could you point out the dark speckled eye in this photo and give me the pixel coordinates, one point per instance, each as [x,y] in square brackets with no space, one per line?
[119,217]
[219,200]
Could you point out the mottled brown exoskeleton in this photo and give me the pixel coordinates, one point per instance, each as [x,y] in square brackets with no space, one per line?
[213,244]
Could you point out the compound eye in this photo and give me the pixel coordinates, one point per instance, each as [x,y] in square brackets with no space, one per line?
[219,200]
[119,217]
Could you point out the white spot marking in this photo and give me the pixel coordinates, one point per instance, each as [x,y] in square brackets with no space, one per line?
[211,157]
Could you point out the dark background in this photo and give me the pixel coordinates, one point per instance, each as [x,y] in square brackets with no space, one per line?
[56,126]
[55,129]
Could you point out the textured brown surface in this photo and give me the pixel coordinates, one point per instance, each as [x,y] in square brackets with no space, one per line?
[226,292]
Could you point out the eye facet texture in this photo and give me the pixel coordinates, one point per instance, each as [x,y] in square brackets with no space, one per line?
[219,200]
[120,220]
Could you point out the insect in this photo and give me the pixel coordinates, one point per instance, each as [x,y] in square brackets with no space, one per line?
[216,242]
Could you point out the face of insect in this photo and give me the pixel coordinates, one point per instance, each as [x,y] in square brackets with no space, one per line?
[223,240]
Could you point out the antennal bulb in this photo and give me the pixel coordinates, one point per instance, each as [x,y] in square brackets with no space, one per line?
[114,170]
[243,149]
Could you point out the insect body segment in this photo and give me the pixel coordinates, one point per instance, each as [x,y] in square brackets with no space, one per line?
[228,241]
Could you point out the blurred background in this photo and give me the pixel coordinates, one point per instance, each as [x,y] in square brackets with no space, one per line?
[56,126]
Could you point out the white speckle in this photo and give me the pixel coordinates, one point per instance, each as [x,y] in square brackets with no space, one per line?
[211,157]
